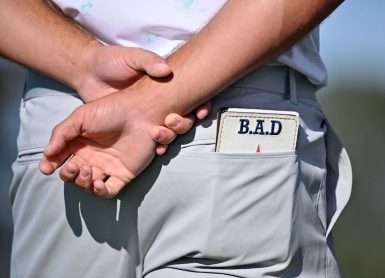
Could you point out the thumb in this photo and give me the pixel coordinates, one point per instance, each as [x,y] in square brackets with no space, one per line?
[149,62]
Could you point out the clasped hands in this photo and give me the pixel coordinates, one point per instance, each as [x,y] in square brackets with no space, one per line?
[105,143]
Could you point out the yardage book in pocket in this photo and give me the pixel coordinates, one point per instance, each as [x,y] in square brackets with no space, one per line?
[256,131]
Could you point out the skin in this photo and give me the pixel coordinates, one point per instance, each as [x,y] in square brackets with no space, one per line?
[70,54]
[109,145]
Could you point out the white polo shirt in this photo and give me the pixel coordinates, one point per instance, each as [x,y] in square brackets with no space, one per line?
[162,25]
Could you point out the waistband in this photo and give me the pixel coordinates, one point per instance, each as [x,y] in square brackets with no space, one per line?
[35,81]
[277,79]
[280,80]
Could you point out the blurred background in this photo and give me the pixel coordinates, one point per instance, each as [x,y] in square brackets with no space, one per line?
[353,48]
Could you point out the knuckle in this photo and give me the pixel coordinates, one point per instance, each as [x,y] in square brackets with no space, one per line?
[78,112]
[55,130]
[128,177]
[63,176]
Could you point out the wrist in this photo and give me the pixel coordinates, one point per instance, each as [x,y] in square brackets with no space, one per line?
[83,67]
[151,97]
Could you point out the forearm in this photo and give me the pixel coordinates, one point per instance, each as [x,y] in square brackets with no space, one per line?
[36,35]
[245,34]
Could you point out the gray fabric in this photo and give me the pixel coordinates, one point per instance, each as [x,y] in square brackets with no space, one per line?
[193,212]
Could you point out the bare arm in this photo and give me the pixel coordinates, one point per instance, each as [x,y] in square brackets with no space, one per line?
[34,27]
[38,35]
[245,34]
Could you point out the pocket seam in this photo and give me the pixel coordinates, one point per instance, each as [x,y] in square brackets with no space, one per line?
[249,156]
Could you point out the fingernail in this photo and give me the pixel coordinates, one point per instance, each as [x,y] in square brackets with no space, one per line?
[159,136]
[174,124]
[161,66]
[85,174]
[71,171]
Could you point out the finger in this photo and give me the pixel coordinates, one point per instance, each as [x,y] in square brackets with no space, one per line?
[161,149]
[162,135]
[100,188]
[48,165]
[58,149]
[179,124]
[202,111]
[147,61]
[98,174]
[110,188]
[70,170]
[84,179]
[64,132]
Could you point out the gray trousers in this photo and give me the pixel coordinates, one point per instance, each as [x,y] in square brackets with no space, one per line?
[192,212]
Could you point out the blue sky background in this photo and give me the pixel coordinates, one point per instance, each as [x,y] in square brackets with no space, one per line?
[353,44]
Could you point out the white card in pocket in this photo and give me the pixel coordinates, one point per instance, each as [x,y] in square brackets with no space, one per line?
[256,130]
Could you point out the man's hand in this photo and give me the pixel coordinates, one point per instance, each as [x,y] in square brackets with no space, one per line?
[113,68]
[111,137]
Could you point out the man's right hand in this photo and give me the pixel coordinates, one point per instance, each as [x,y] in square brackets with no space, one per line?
[113,68]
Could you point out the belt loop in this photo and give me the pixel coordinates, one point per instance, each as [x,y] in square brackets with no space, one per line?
[293,86]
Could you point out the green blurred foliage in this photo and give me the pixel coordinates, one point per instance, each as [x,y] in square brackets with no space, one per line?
[358,115]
